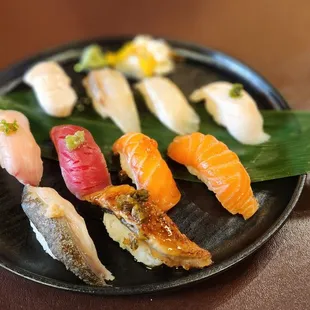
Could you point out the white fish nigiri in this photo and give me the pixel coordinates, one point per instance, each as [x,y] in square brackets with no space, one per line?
[20,155]
[233,108]
[145,56]
[166,101]
[63,234]
[112,97]
[52,88]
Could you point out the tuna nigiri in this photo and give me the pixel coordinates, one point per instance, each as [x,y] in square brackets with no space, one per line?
[82,164]
[52,88]
[153,237]
[166,101]
[20,155]
[219,168]
[232,107]
[143,163]
[112,97]
[63,234]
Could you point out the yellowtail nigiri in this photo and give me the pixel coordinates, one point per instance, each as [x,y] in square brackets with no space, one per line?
[20,155]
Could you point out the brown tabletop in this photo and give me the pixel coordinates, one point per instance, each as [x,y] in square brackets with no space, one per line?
[272,36]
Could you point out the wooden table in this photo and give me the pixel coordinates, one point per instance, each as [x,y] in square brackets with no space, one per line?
[272,36]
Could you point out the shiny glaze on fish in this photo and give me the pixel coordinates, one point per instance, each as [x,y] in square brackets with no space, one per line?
[151,225]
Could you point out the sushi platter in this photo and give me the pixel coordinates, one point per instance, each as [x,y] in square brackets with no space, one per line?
[112,182]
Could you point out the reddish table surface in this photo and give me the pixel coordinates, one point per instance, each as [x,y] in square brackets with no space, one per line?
[272,36]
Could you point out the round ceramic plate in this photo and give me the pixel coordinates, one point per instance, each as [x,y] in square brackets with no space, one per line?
[229,238]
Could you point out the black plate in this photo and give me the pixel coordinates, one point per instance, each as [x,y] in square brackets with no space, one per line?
[229,238]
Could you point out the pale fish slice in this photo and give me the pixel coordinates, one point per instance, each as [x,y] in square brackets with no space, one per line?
[20,155]
[166,101]
[112,97]
[239,114]
[52,88]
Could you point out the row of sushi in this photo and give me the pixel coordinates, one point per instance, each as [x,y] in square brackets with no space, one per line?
[136,218]
[229,104]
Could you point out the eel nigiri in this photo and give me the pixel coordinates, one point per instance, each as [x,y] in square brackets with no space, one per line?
[151,229]
[52,88]
[142,162]
[232,107]
[112,97]
[63,234]
[82,164]
[219,168]
[20,155]
[166,101]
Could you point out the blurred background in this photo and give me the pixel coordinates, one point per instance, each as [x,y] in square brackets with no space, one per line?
[269,35]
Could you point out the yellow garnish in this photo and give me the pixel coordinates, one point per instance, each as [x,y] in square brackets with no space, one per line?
[75,141]
[8,128]
[146,60]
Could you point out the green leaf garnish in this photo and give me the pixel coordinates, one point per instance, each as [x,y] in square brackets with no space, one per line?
[236,90]
[8,128]
[285,154]
[92,58]
[75,141]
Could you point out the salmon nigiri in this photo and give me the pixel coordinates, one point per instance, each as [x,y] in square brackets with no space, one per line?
[219,168]
[143,163]
[83,166]
[20,155]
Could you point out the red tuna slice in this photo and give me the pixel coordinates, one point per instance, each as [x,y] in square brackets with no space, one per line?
[84,169]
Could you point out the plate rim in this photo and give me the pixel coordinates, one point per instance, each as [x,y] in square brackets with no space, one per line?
[12,70]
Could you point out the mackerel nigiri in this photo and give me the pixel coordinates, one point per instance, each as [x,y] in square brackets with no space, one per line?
[82,164]
[52,88]
[166,101]
[112,97]
[219,168]
[154,238]
[20,155]
[63,234]
[142,162]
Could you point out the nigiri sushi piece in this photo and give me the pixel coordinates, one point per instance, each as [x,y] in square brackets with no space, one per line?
[142,162]
[232,107]
[82,164]
[219,168]
[63,234]
[111,97]
[20,155]
[52,88]
[139,249]
[166,101]
[144,57]
[150,229]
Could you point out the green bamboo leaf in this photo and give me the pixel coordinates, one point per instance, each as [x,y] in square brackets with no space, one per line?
[286,154]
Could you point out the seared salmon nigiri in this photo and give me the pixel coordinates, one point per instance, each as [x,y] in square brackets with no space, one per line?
[143,163]
[219,168]
[82,164]
[20,155]
[63,234]
[152,236]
